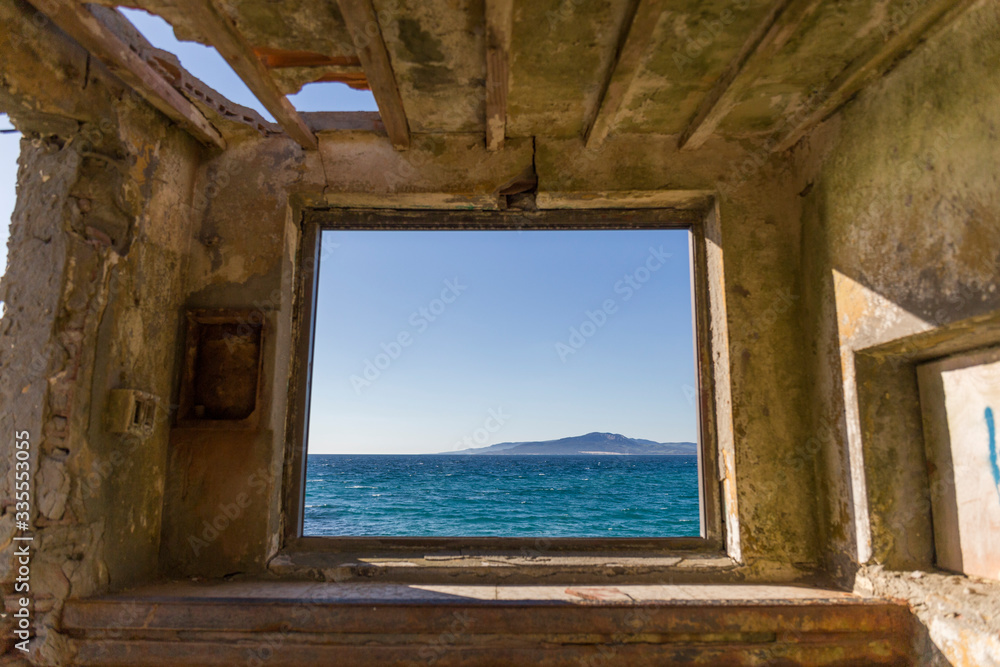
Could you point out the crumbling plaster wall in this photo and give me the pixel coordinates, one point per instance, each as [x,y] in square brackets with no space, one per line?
[97,255]
[901,252]
[221,506]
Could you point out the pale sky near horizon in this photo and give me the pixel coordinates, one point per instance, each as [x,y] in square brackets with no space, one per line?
[424,339]
[9,149]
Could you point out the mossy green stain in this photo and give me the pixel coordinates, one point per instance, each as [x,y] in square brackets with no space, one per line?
[419,43]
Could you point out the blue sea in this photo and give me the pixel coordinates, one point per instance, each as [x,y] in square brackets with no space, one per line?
[503,496]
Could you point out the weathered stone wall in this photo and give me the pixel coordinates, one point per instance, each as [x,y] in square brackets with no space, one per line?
[901,259]
[97,255]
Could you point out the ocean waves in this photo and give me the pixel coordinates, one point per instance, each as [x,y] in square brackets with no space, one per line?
[503,496]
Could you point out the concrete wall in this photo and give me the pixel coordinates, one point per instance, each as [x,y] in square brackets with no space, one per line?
[97,256]
[901,262]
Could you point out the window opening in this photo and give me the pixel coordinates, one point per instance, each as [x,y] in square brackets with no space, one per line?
[503,383]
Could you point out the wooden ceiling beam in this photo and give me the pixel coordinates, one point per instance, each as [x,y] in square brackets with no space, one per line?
[79,23]
[782,20]
[219,30]
[499,25]
[632,47]
[930,17]
[362,24]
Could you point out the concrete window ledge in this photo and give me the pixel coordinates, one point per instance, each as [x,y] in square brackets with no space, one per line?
[513,567]
[371,623]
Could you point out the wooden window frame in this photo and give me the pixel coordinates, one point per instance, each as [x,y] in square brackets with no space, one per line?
[711,488]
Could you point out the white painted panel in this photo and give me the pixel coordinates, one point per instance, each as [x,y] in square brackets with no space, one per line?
[960,399]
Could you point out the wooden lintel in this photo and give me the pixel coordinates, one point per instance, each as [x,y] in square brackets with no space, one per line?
[79,23]
[781,21]
[931,17]
[221,33]
[362,24]
[632,47]
[499,24]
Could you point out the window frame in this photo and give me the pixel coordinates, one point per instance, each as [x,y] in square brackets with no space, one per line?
[710,488]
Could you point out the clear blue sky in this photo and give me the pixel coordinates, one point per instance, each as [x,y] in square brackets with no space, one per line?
[514,299]
[206,64]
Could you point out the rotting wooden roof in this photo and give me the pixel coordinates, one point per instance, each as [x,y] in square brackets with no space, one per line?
[554,68]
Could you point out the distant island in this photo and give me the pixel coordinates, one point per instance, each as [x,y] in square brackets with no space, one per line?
[595,444]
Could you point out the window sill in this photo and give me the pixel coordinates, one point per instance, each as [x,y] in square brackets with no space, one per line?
[528,561]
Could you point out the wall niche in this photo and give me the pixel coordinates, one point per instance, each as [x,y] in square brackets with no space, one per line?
[220,381]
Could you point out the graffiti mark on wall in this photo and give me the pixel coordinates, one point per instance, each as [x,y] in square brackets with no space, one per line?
[994,466]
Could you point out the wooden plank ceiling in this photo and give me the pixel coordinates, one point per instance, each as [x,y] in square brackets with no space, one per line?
[764,69]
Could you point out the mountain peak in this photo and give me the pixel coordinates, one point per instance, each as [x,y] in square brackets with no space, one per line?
[594,443]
